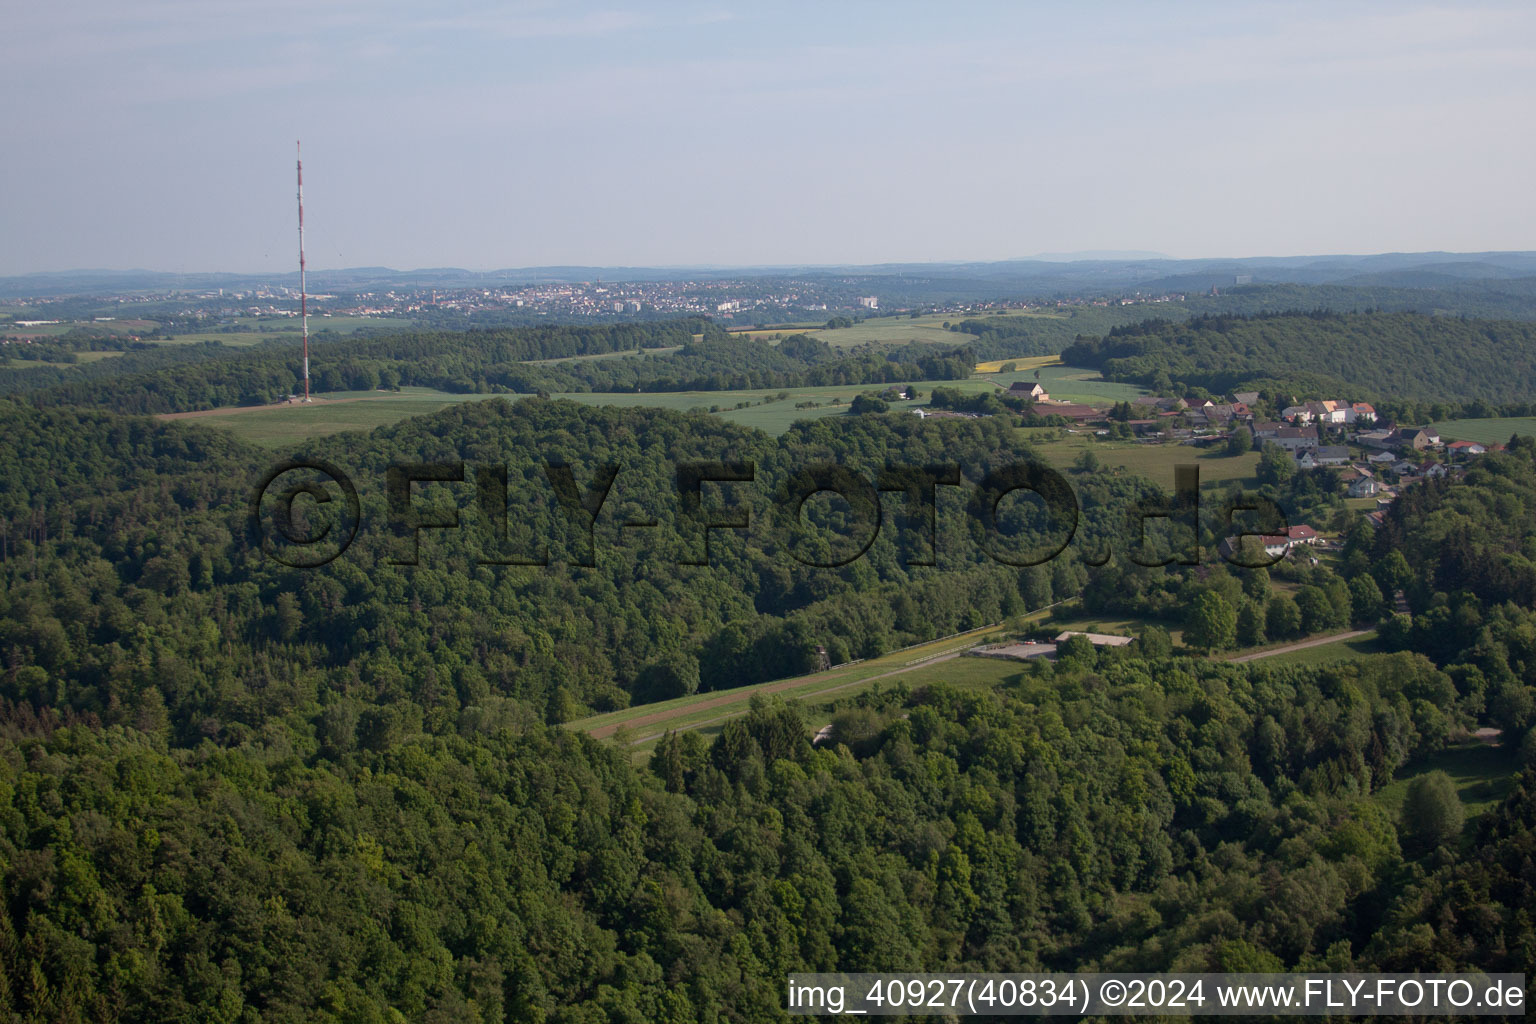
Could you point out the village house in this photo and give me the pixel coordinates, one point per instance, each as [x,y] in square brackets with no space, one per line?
[1293,439]
[1419,439]
[1225,415]
[1265,430]
[1323,455]
[1359,481]
[1327,414]
[1466,449]
[1023,389]
[1275,544]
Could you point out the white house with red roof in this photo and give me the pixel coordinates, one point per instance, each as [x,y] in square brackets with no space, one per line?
[1275,544]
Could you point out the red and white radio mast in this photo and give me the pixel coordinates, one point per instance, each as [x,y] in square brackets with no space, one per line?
[303,291]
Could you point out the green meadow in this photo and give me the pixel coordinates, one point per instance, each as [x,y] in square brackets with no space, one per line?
[282,425]
[644,723]
[1487,431]
[1483,775]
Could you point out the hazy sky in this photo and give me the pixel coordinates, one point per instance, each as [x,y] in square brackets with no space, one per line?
[159,133]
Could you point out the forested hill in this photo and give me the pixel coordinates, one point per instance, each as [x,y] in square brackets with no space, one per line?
[120,536]
[459,362]
[234,791]
[677,355]
[1360,355]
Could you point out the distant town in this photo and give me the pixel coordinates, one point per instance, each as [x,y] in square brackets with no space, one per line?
[735,302]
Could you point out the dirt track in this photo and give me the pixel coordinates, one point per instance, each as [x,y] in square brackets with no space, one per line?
[1335,638]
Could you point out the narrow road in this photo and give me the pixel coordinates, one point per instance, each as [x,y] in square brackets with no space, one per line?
[1335,638]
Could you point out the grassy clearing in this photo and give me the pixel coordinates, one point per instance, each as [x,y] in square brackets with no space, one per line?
[100,327]
[1487,431]
[1353,649]
[1114,626]
[646,720]
[627,353]
[1071,384]
[776,334]
[1020,364]
[80,357]
[960,673]
[288,424]
[258,330]
[1348,650]
[1483,775]
[235,339]
[924,330]
[283,425]
[894,331]
[766,412]
[1156,462]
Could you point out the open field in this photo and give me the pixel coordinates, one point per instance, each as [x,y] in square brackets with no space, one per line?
[775,334]
[1483,774]
[257,330]
[896,330]
[629,353]
[1347,645]
[80,357]
[646,721]
[893,331]
[1110,624]
[277,425]
[1486,431]
[115,327]
[286,424]
[960,673]
[767,412]
[1070,383]
[347,410]
[1156,462]
[236,339]
[1020,365]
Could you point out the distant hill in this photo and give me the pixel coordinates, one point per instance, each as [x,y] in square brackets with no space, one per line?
[1048,274]
[1351,355]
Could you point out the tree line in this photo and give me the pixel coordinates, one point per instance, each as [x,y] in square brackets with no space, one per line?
[1359,356]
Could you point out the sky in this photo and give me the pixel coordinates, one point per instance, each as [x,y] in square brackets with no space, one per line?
[160,134]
